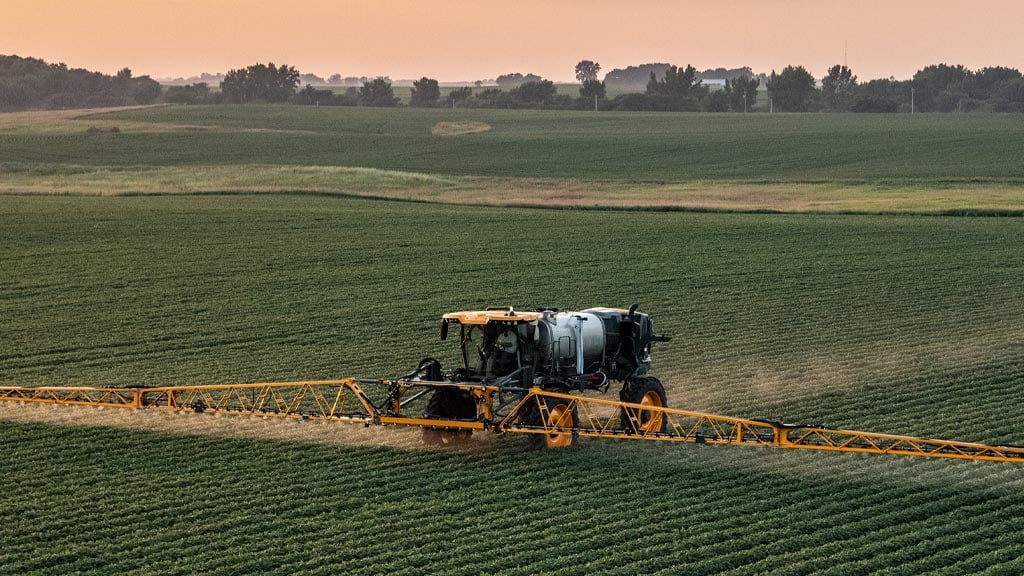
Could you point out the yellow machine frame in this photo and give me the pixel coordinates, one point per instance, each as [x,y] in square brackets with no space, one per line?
[344,400]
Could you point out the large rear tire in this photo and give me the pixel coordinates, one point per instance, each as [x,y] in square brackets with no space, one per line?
[448,404]
[647,391]
[560,415]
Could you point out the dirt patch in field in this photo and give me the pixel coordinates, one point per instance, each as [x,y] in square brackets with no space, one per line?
[98,120]
[51,120]
[233,426]
[459,128]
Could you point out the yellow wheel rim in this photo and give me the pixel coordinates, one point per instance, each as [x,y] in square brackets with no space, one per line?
[561,417]
[650,420]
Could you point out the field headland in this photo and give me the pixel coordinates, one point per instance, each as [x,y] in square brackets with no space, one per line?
[880,164]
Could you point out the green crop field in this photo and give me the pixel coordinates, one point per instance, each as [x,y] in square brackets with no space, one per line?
[741,162]
[645,147]
[230,244]
[901,324]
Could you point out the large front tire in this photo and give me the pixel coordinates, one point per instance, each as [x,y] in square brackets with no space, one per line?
[646,391]
[448,404]
[559,414]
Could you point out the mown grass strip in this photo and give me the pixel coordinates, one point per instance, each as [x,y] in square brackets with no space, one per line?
[966,198]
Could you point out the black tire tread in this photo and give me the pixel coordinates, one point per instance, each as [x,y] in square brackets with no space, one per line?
[448,403]
[634,390]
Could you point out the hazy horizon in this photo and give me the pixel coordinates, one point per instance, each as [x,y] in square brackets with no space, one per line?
[457,40]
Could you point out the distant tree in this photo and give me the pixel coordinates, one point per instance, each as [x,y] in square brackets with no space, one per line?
[590,86]
[208,78]
[311,79]
[586,71]
[838,88]
[494,98]
[17,95]
[459,96]
[259,82]
[591,89]
[335,79]
[188,94]
[349,98]
[377,92]
[632,102]
[751,91]
[792,90]
[716,101]
[940,87]
[536,92]
[145,90]
[726,73]
[984,83]
[1012,90]
[742,93]
[635,76]
[1008,96]
[867,103]
[33,83]
[679,89]
[675,82]
[882,95]
[425,93]
[310,96]
[516,79]
[563,101]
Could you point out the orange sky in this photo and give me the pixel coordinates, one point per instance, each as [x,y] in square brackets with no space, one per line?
[469,40]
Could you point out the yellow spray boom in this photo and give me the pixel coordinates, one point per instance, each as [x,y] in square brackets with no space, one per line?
[551,418]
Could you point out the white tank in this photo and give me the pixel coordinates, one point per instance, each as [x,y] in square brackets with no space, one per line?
[564,335]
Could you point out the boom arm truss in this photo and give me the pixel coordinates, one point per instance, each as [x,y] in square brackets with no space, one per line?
[344,400]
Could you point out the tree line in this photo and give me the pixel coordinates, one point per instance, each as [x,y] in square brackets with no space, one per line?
[32,83]
[936,88]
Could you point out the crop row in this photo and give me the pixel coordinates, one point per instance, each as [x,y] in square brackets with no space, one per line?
[905,325]
[188,504]
[763,309]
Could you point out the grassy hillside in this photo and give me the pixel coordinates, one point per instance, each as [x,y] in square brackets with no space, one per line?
[908,325]
[618,146]
[726,162]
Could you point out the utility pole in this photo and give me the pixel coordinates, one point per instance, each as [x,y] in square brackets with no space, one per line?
[911,98]
[595,102]
[744,101]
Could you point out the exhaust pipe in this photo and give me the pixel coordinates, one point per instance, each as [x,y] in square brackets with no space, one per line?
[579,343]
